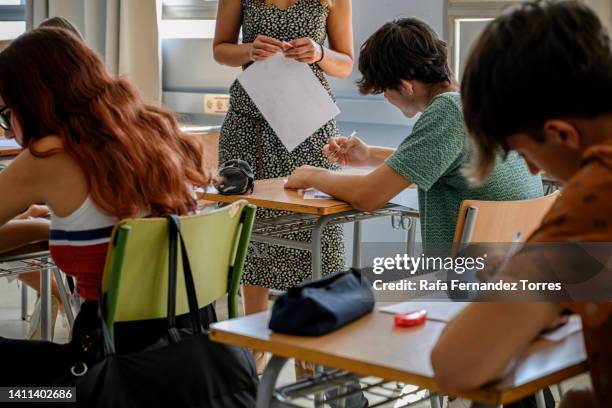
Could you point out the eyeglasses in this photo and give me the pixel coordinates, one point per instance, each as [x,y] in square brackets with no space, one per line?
[5,118]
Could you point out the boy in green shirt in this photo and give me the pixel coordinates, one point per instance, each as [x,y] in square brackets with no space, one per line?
[407,62]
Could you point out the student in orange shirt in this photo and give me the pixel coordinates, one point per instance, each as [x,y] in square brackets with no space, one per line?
[554,108]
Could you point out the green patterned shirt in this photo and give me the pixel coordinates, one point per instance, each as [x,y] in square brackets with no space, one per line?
[432,157]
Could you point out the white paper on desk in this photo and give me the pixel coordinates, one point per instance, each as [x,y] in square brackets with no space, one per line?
[208,189]
[408,198]
[290,97]
[439,311]
[9,144]
[314,194]
[573,325]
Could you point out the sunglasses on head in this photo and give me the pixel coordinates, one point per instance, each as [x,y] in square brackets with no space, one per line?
[5,118]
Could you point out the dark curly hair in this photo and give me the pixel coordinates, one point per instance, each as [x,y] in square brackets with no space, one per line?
[404,49]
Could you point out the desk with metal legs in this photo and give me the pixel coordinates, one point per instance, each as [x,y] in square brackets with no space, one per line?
[36,258]
[373,347]
[306,214]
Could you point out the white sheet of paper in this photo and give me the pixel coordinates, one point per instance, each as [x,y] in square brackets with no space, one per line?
[408,198]
[314,194]
[574,325]
[290,97]
[209,190]
[9,144]
[439,311]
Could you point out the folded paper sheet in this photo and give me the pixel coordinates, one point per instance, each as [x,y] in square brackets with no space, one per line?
[314,194]
[290,97]
[440,311]
[447,311]
[408,198]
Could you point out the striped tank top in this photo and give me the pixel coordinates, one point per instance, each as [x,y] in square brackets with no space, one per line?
[78,245]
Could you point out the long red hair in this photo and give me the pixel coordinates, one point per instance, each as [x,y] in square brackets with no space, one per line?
[133,154]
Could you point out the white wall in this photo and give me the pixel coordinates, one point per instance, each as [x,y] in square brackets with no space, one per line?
[189,67]
[369,15]
[604,9]
[469,32]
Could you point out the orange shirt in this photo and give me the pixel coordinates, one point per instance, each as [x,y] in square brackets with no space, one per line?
[583,213]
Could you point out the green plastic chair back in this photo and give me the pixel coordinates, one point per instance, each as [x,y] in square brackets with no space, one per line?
[136,271]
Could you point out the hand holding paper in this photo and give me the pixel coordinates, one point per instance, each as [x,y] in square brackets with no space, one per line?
[305,50]
[265,47]
[290,97]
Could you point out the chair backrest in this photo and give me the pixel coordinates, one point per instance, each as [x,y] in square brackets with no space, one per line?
[136,271]
[501,221]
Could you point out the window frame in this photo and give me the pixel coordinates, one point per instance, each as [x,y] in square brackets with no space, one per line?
[13,12]
[470,9]
[190,10]
[10,13]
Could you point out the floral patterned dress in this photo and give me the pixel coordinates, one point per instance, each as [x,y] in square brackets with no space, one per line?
[246,135]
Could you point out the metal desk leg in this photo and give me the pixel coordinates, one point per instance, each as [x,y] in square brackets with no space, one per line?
[24,301]
[560,390]
[315,245]
[265,392]
[45,304]
[319,396]
[64,295]
[434,399]
[540,400]
[316,250]
[341,390]
[356,245]
[411,237]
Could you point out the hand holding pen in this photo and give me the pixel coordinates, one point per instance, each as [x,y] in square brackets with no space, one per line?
[348,151]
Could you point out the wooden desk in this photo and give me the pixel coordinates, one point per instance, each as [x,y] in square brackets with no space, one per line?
[27,251]
[315,214]
[272,194]
[372,346]
[20,261]
[9,147]
[9,152]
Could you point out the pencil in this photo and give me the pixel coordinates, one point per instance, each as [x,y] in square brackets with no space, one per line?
[335,152]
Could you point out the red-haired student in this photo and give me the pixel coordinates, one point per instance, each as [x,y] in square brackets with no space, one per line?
[95,152]
[32,226]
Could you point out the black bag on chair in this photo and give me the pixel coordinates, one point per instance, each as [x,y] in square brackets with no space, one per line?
[322,306]
[182,369]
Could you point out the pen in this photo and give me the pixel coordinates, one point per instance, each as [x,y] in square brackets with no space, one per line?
[352,135]
[514,246]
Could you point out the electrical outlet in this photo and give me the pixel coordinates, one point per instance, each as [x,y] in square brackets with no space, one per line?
[216,104]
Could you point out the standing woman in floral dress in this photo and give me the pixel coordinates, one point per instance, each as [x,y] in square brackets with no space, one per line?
[299,29]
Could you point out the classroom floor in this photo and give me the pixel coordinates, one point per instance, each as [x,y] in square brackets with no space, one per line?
[12,326]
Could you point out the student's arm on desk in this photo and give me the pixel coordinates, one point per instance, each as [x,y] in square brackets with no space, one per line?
[21,184]
[367,192]
[17,233]
[477,346]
